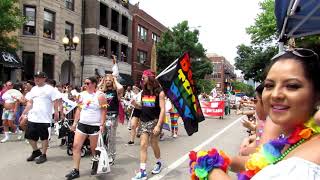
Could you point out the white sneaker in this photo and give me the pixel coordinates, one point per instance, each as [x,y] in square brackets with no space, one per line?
[5,139]
[175,135]
[157,168]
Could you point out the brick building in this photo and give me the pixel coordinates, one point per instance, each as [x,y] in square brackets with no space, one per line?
[145,32]
[223,72]
[41,39]
[107,32]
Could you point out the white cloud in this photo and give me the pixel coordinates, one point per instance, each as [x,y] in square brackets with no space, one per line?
[222,22]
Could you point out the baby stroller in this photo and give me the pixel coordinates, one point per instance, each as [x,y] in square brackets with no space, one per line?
[64,131]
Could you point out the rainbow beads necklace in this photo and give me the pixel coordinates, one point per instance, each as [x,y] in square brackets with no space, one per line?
[271,152]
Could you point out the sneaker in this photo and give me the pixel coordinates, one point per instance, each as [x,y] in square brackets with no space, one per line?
[34,155]
[111,161]
[5,139]
[95,162]
[73,174]
[63,142]
[141,175]
[42,158]
[175,136]
[157,168]
[162,136]
[130,143]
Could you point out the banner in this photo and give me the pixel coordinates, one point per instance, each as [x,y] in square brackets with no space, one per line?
[179,87]
[212,108]
[68,105]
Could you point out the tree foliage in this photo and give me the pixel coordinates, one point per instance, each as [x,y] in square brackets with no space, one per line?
[179,40]
[264,30]
[11,19]
[242,87]
[253,60]
[206,85]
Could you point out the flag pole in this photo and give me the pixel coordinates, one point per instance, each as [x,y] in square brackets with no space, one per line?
[167,69]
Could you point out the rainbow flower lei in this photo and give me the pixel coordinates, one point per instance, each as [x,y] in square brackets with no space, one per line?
[202,162]
[271,152]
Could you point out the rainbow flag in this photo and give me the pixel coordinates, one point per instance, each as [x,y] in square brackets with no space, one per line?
[179,86]
[166,123]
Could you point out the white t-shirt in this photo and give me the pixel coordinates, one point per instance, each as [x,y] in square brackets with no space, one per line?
[90,108]
[42,97]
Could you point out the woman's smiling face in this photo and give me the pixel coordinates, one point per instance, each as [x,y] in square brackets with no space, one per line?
[288,96]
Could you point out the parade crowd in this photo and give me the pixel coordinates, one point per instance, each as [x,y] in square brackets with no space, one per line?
[282,121]
[33,109]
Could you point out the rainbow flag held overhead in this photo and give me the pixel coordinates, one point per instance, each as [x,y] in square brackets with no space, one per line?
[179,86]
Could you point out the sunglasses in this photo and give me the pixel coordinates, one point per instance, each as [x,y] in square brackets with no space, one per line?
[300,52]
[87,83]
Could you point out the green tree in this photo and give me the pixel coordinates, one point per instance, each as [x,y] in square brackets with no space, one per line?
[206,85]
[264,30]
[253,60]
[11,19]
[179,40]
[245,88]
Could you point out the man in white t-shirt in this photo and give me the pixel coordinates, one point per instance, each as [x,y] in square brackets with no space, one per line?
[41,98]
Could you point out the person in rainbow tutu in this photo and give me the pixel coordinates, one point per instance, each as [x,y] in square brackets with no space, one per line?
[290,97]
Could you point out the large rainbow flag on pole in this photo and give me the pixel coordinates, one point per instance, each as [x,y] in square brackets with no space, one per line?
[179,86]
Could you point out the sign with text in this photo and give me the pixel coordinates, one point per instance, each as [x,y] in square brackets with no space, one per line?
[212,108]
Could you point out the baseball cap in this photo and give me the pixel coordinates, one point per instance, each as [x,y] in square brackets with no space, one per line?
[40,74]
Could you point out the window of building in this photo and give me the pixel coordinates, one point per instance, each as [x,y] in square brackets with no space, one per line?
[124,28]
[124,53]
[48,65]
[114,20]
[141,56]
[29,28]
[48,24]
[155,37]
[70,4]
[142,33]
[103,46]
[69,30]
[115,48]
[103,15]
[28,59]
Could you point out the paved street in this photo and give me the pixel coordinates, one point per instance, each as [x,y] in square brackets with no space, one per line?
[13,154]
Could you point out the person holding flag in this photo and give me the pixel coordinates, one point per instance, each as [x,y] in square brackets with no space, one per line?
[152,117]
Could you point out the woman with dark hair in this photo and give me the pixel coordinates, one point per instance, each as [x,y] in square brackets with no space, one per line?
[290,97]
[89,120]
[151,119]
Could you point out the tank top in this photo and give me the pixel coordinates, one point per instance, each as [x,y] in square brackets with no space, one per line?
[112,100]
[150,107]
[90,108]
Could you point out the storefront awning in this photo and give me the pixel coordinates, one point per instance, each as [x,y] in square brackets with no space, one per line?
[10,60]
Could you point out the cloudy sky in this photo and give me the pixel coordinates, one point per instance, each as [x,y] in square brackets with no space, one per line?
[222,22]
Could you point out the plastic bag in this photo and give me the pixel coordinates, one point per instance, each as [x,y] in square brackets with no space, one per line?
[103,165]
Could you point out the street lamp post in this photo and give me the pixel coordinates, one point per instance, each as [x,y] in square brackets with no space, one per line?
[70,46]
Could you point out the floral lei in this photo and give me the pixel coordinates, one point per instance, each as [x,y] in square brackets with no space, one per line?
[271,152]
[203,162]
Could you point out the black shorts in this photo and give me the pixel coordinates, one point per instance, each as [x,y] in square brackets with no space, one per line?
[136,113]
[88,129]
[35,131]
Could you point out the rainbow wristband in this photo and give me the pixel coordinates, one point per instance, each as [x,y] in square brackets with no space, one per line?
[202,162]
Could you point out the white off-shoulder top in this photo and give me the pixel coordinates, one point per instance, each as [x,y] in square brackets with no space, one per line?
[293,168]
